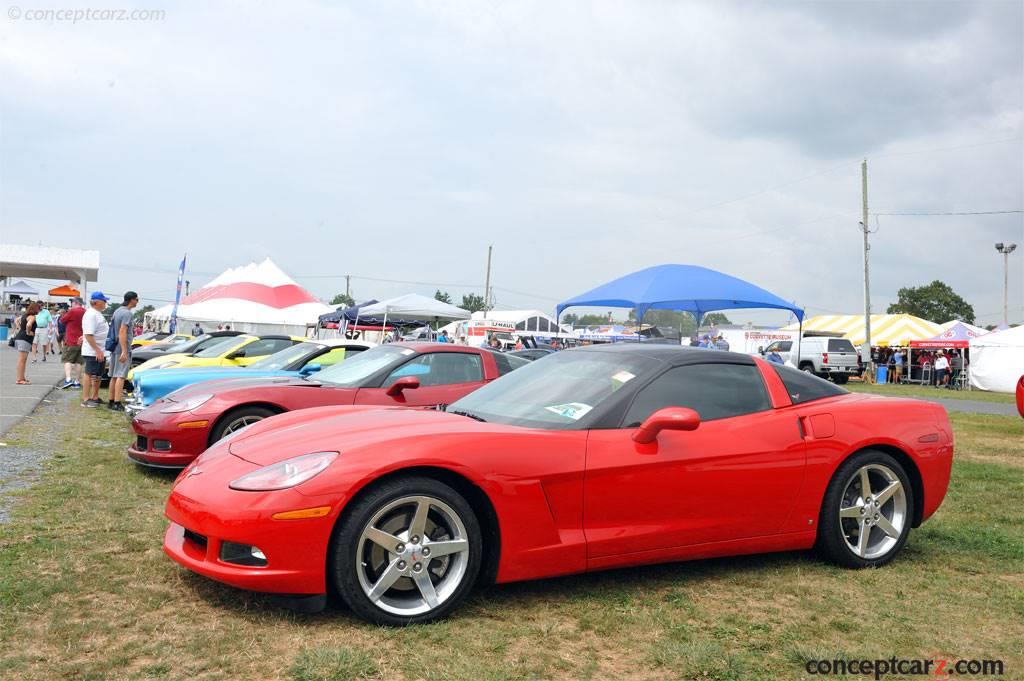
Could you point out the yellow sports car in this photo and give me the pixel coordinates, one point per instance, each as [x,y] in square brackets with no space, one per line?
[156,338]
[236,351]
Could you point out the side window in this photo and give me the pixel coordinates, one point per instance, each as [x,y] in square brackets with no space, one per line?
[264,346]
[714,391]
[440,368]
[506,363]
[333,357]
[803,386]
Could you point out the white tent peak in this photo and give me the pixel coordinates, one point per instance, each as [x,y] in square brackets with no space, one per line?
[414,306]
[266,273]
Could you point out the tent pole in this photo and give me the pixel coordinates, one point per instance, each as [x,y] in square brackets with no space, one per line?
[384,328]
[799,343]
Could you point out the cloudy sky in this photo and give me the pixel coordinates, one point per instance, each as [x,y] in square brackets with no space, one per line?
[394,141]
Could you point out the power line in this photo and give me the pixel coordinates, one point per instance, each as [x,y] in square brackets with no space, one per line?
[975,212]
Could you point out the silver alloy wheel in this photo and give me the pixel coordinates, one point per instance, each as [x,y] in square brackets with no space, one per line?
[873,511]
[412,555]
[239,423]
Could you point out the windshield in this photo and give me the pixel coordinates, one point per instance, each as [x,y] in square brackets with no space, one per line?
[217,349]
[353,372]
[183,346]
[282,358]
[556,393]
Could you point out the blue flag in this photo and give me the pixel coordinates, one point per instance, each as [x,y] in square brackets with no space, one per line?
[177,295]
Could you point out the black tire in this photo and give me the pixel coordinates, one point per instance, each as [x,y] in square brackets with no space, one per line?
[342,561]
[832,542]
[840,379]
[808,367]
[229,420]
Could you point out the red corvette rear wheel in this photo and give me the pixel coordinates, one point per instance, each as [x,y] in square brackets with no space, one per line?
[407,552]
[867,511]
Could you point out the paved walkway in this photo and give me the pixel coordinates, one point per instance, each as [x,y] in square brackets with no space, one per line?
[18,401]
[974,406]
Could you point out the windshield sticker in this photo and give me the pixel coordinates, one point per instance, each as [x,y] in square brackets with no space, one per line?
[622,377]
[571,410]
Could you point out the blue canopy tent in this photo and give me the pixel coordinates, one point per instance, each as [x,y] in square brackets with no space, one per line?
[349,313]
[685,288]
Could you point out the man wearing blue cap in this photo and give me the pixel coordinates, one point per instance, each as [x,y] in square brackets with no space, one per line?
[94,337]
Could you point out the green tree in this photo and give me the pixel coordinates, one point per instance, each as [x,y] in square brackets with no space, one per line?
[442,296]
[715,319]
[936,302]
[343,299]
[140,312]
[474,303]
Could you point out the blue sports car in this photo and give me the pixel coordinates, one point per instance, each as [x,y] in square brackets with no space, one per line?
[301,359]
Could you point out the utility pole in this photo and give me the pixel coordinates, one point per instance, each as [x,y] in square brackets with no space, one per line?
[866,352]
[187,282]
[1006,250]
[348,285]
[487,283]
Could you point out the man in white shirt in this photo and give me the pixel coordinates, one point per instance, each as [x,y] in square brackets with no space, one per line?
[941,370]
[94,337]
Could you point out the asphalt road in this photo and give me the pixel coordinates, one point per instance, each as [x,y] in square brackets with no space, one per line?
[19,401]
[973,406]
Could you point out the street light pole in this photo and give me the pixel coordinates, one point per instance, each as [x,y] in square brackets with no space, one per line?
[1006,250]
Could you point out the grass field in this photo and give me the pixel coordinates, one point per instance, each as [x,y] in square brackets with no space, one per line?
[894,390]
[85,593]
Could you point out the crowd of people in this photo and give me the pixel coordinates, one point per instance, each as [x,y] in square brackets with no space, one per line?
[940,368]
[91,346]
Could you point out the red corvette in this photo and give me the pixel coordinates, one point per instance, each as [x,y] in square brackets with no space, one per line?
[173,431]
[587,459]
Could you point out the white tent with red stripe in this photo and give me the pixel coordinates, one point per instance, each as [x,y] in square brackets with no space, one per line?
[256,298]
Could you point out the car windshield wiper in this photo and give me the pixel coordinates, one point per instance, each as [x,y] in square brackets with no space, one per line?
[481,419]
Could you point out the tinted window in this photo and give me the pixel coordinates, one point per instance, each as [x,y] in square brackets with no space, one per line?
[803,386]
[507,363]
[714,391]
[840,345]
[265,346]
[440,368]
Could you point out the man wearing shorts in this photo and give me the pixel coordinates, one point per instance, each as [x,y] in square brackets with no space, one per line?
[121,324]
[94,337]
[71,354]
[41,340]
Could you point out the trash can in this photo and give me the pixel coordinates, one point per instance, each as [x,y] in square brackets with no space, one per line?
[881,375]
[3,332]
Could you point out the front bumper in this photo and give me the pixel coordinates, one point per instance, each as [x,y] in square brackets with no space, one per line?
[162,441]
[205,514]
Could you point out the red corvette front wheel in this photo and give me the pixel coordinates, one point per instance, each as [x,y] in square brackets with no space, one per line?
[407,552]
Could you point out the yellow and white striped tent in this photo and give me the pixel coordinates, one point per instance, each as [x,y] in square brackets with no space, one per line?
[886,329]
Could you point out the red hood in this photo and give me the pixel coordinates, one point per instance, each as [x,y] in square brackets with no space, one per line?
[341,429]
[222,386]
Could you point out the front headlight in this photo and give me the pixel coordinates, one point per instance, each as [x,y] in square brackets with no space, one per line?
[187,404]
[284,474]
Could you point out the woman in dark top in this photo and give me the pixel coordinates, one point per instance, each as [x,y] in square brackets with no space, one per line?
[23,341]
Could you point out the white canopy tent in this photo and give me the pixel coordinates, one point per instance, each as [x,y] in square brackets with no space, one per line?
[413,306]
[997,360]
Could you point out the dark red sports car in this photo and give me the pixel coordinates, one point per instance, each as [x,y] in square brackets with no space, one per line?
[584,460]
[175,430]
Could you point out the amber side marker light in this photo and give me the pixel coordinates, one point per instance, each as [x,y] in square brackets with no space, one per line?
[318,512]
[194,424]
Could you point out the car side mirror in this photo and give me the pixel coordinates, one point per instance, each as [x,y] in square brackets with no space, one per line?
[235,355]
[669,418]
[404,383]
[309,369]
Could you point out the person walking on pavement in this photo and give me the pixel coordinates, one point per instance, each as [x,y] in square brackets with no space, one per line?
[121,355]
[23,341]
[94,338]
[71,354]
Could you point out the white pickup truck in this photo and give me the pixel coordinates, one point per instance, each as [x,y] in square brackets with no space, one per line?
[834,358]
